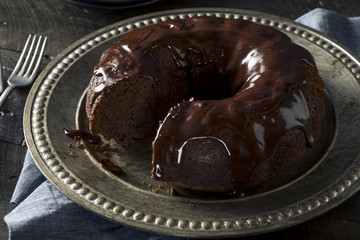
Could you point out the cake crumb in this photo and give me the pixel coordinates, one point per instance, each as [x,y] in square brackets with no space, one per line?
[80,144]
[106,146]
[69,145]
[103,147]
[191,205]
[71,154]
[172,191]
[147,197]
[155,190]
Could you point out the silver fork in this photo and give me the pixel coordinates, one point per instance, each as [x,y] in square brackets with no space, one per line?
[24,72]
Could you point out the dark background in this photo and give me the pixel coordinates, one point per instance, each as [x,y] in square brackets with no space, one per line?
[65,23]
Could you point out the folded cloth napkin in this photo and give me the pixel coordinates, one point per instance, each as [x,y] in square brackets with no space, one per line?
[43,212]
[345,30]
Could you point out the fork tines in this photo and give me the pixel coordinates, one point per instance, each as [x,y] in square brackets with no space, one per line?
[30,52]
[28,71]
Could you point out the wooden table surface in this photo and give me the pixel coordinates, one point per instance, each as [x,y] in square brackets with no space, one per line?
[65,23]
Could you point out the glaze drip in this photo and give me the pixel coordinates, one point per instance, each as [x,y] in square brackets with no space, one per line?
[83,134]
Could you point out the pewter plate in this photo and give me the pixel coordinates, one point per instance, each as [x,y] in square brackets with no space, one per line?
[325,177]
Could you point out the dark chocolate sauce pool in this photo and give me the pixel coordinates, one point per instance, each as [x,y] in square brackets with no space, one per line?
[107,164]
[83,134]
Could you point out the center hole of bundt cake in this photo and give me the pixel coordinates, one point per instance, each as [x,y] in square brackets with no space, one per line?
[206,83]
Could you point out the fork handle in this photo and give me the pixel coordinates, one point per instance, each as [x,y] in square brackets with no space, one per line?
[6,92]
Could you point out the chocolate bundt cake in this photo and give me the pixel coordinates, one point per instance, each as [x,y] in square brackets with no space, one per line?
[238,103]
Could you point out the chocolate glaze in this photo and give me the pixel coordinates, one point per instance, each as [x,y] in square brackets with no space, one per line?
[251,98]
[82,134]
[107,164]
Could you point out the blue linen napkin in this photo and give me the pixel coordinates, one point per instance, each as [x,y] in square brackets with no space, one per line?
[43,212]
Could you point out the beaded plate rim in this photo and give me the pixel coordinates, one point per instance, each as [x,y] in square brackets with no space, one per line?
[50,164]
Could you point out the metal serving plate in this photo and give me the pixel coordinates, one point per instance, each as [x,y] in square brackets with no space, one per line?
[324,178]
